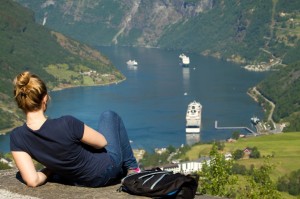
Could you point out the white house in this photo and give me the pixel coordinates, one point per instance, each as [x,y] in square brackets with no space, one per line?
[228,156]
[187,167]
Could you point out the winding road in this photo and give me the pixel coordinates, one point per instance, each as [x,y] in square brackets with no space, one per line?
[278,128]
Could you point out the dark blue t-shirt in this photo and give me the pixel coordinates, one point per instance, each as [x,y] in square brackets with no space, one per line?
[57,146]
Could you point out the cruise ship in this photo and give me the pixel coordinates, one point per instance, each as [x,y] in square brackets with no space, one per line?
[185,60]
[132,63]
[193,117]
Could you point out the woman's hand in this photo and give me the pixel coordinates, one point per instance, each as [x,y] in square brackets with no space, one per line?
[28,172]
[93,138]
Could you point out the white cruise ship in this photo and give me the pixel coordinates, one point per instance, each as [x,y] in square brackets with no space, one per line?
[193,117]
[185,60]
[132,63]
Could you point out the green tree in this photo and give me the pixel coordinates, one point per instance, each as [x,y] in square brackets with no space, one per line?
[255,153]
[290,184]
[238,154]
[236,135]
[215,176]
[154,159]
[220,145]
[259,185]
[182,151]
[171,149]
[283,184]
[239,169]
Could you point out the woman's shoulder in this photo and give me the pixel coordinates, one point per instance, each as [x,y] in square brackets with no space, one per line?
[66,119]
[70,124]
[17,129]
[62,118]
[20,130]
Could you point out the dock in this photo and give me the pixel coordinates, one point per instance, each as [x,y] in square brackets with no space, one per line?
[235,127]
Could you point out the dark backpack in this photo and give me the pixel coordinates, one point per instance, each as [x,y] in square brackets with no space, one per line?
[156,183]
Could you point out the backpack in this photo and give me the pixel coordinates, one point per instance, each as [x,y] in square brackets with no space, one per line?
[156,183]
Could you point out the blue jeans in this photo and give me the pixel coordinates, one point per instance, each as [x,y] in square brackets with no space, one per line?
[118,147]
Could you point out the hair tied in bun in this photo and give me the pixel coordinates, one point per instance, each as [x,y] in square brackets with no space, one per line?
[23,94]
[29,91]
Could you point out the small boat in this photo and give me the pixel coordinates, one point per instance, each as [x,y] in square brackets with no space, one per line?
[255,120]
[132,62]
[185,60]
[193,117]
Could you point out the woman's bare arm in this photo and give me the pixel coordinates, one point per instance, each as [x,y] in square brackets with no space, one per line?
[28,172]
[93,138]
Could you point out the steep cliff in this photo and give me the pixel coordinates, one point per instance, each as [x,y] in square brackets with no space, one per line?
[240,31]
[125,22]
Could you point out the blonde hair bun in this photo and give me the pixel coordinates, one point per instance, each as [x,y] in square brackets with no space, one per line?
[29,91]
[22,79]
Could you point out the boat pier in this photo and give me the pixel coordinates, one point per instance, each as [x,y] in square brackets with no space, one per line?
[234,127]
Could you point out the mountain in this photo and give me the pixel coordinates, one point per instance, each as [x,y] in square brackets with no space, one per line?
[248,32]
[57,59]
[240,31]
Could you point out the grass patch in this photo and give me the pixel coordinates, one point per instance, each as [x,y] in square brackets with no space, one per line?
[88,81]
[198,150]
[285,147]
[61,72]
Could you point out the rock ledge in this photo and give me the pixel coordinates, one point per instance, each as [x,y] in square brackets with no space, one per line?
[11,187]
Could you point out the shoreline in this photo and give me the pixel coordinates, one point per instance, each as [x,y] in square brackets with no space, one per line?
[254,94]
[77,86]
[8,130]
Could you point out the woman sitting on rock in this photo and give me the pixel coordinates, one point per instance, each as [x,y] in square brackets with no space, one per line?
[66,146]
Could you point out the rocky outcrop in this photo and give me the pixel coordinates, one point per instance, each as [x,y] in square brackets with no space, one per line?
[12,188]
[132,22]
[153,17]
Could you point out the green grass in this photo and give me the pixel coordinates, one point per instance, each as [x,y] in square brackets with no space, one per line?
[198,150]
[284,146]
[61,71]
[88,81]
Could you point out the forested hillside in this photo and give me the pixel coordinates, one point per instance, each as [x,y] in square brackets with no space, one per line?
[283,88]
[57,59]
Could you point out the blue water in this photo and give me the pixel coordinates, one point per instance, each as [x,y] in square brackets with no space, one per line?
[152,100]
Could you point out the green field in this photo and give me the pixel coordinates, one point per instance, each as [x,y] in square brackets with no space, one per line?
[285,147]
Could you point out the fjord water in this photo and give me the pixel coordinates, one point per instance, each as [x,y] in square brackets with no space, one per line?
[153,99]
